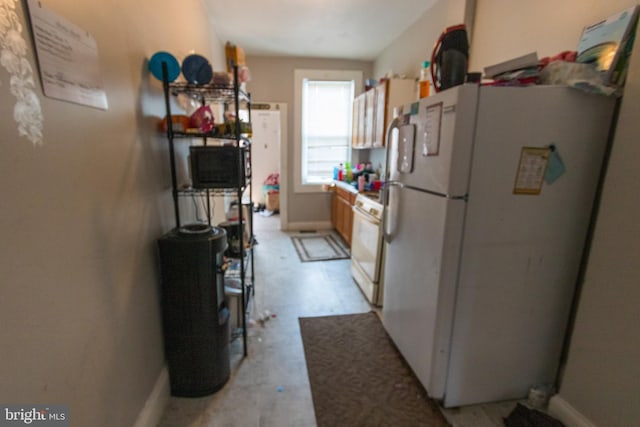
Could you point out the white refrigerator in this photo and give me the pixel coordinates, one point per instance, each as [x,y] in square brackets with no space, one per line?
[488,200]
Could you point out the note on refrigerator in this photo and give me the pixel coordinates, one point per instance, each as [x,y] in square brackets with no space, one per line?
[531,170]
[431,135]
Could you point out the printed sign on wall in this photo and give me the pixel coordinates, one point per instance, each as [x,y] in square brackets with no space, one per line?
[67,57]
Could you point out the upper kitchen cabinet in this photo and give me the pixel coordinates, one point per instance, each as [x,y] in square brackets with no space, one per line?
[358,123]
[370,114]
[373,111]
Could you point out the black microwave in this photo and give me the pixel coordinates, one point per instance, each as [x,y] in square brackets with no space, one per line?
[218,166]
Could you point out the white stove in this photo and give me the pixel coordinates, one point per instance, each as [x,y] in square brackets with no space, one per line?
[367,248]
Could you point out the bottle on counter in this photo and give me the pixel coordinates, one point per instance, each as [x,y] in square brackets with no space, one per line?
[361,182]
[348,173]
[340,173]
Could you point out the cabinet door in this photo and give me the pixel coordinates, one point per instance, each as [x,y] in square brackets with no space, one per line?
[355,122]
[342,213]
[399,93]
[379,135]
[334,209]
[337,211]
[348,227]
[369,117]
[345,219]
[361,120]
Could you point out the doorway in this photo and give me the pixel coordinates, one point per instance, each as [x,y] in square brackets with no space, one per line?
[268,152]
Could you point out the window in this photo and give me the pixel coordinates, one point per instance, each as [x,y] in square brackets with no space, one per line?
[323,112]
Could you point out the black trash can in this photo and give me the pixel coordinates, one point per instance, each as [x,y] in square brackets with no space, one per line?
[194,312]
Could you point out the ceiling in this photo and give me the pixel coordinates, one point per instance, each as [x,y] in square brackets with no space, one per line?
[354,29]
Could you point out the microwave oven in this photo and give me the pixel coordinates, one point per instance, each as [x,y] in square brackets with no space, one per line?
[218,166]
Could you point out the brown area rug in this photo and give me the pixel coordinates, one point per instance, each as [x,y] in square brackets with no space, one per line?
[358,377]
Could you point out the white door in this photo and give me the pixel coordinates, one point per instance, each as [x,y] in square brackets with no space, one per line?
[265,150]
[420,277]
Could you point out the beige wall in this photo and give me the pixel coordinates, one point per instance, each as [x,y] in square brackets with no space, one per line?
[407,52]
[505,29]
[272,81]
[602,374]
[602,377]
[80,215]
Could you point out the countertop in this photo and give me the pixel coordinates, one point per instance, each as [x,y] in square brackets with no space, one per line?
[374,195]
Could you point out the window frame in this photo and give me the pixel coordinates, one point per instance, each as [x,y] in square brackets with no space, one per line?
[308,74]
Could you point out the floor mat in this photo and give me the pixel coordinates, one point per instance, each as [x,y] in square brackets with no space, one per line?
[319,247]
[522,416]
[358,377]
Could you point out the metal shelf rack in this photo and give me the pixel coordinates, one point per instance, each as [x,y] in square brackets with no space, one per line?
[231,97]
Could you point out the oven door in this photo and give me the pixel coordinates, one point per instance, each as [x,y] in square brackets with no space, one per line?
[365,243]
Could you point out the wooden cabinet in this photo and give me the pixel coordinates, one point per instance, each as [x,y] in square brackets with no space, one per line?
[373,111]
[379,137]
[369,117]
[342,202]
[358,122]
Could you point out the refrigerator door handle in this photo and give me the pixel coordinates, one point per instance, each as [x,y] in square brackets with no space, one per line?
[388,234]
[395,124]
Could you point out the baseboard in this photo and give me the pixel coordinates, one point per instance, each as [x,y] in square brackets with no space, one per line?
[311,225]
[570,416]
[156,402]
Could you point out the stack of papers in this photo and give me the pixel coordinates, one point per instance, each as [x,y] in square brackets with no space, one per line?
[519,71]
[529,60]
